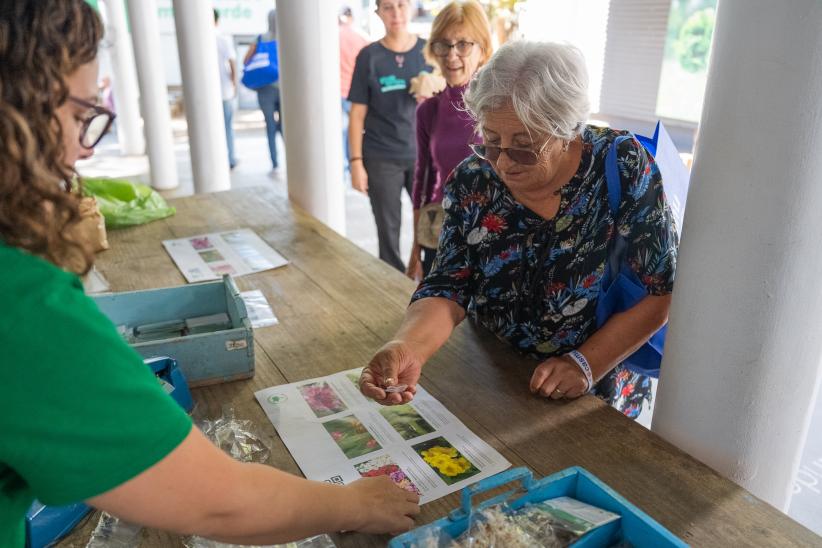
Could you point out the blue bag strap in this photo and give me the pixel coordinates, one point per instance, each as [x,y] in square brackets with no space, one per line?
[612,178]
[614,182]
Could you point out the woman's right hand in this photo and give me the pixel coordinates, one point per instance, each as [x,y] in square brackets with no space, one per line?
[394,364]
[382,507]
[359,177]
[414,269]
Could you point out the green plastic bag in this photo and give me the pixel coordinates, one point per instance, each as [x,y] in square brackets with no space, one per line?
[125,203]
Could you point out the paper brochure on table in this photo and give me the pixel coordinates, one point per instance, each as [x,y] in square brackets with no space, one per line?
[338,435]
[208,256]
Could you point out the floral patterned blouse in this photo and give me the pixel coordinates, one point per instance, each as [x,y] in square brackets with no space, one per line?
[535,282]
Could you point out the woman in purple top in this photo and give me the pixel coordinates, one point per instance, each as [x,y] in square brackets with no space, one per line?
[460,43]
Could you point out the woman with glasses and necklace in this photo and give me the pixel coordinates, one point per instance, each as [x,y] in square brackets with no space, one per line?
[84,419]
[381,123]
[527,233]
[460,43]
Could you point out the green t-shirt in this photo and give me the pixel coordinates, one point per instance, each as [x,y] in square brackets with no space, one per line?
[79,411]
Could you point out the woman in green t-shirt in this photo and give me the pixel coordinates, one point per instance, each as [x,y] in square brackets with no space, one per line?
[81,417]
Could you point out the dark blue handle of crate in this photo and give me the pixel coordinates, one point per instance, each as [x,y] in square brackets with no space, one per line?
[522,475]
[159,364]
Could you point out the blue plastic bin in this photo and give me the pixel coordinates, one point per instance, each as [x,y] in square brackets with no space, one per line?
[634,525]
[45,524]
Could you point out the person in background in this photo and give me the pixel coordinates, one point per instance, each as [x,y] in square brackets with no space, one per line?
[228,86]
[381,133]
[351,42]
[268,96]
[84,419]
[527,233]
[460,43]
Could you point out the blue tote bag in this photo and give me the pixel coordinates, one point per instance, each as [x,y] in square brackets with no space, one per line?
[621,287]
[263,68]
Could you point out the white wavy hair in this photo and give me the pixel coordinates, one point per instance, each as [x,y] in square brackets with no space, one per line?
[546,84]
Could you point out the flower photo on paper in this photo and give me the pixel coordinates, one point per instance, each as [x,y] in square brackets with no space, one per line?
[322,399]
[449,464]
[384,466]
[406,421]
[351,436]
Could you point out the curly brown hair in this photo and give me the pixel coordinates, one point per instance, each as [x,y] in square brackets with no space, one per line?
[41,42]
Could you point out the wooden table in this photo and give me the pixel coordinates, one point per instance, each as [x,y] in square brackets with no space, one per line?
[337,304]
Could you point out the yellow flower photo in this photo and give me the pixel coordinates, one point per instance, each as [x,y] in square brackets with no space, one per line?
[445,460]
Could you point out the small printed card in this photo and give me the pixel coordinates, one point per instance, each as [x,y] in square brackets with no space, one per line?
[569,514]
[207,257]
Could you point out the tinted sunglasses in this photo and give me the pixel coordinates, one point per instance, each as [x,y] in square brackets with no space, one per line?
[522,156]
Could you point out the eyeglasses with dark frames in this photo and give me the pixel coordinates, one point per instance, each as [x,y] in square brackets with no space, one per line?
[95,124]
[522,156]
[441,48]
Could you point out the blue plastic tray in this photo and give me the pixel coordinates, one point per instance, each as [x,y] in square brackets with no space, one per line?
[635,526]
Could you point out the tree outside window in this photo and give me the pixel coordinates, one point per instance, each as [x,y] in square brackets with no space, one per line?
[685,64]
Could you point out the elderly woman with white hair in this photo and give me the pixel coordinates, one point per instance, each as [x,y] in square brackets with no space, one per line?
[527,234]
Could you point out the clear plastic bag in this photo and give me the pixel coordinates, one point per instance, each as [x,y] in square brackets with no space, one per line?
[239,438]
[319,541]
[495,527]
[112,532]
[259,311]
[544,528]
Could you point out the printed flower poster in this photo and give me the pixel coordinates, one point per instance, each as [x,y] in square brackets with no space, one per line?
[209,256]
[337,435]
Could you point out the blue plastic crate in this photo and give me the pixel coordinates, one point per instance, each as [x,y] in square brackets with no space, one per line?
[634,525]
[46,524]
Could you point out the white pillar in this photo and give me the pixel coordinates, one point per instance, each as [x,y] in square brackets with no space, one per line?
[197,45]
[124,80]
[145,36]
[742,358]
[312,119]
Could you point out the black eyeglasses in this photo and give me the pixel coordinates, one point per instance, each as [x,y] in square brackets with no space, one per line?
[442,49]
[95,124]
[523,156]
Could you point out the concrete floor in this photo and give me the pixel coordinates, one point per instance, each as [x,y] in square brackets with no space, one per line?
[253,169]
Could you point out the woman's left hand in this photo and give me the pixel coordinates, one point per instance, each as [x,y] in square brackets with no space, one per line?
[414,268]
[558,378]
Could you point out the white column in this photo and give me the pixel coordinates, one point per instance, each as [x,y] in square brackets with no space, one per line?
[124,80]
[197,45]
[742,358]
[145,36]
[312,119]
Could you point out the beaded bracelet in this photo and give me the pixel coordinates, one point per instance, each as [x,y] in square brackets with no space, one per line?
[583,364]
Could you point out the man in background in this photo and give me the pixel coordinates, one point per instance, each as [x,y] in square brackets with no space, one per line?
[228,85]
[351,42]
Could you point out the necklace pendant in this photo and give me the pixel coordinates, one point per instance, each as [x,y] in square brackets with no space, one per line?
[400,59]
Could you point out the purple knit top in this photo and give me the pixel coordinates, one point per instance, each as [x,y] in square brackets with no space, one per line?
[443,133]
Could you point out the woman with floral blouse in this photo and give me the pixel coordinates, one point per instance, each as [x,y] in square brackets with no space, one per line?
[527,234]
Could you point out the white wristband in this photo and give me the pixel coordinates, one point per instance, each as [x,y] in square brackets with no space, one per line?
[583,364]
